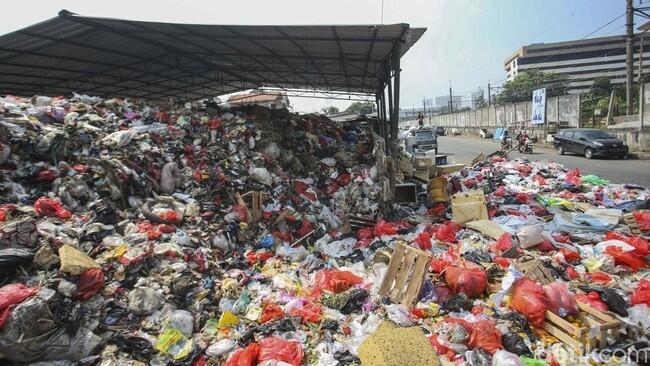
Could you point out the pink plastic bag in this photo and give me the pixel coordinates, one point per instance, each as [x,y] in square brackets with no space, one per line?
[561,301]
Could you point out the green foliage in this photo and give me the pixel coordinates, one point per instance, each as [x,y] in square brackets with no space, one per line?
[480,102]
[521,88]
[329,110]
[601,88]
[361,107]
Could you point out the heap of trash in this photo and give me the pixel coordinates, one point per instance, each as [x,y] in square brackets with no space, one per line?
[197,234]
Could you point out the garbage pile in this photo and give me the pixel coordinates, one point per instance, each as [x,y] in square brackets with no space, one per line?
[196,234]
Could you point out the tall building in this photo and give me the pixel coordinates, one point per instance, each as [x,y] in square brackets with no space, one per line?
[478,95]
[582,60]
[443,101]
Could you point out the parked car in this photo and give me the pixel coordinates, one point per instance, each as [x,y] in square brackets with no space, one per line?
[589,142]
[440,131]
[419,141]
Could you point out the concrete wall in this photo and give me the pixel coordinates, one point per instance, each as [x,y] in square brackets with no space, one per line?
[637,140]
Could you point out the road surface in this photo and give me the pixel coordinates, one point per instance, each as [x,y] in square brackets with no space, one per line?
[462,149]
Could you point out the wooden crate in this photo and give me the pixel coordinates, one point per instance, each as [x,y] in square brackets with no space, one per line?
[360,222]
[535,270]
[630,221]
[592,335]
[406,272]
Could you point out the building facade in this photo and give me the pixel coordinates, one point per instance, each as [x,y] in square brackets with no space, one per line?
[443,101]
[582,60]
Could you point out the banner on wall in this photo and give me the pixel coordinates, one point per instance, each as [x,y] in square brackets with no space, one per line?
[539,106]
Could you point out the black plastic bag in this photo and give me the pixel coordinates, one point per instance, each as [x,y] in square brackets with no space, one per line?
[457,303]
[136,347]
[514,343]
[11,259]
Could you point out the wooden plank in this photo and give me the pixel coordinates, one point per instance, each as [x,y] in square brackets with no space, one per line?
[559,334]
[565,325]
[393,267]
[415,284]
[597,313]
[403,275]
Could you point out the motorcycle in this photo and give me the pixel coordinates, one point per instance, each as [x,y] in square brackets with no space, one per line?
[526,147]
[506,144]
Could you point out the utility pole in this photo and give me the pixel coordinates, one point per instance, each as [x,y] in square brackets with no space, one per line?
[629,24]
[489,96]
[451,99]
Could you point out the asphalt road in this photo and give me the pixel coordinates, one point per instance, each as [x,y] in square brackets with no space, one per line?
[462,149]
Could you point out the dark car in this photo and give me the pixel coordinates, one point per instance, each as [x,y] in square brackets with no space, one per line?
[589,142]
[440,131]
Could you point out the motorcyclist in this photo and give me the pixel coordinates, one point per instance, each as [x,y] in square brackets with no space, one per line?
[522,137]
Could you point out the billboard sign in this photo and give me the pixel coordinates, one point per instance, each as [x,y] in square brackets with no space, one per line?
[539,106]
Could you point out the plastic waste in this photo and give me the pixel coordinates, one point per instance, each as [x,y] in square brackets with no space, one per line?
[561,301]
[90,282]
[51,207]
[505,358]
[529,299]
[174,343]
[11,295]
[334,280]
[470,281]
[642,219]
[278,349]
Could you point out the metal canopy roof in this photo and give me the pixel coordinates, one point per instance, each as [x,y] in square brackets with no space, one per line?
[114,57]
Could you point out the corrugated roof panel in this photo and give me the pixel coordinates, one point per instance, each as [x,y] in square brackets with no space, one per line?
[158,60]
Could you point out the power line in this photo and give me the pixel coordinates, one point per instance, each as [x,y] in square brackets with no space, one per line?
[605,25]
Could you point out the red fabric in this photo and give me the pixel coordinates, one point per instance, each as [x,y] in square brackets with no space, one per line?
[278,349]
[573,177]
[365,233]
[529,299]
[440,348]
[12,295]
[470,281]
[334,280]
[305,227]
[89,283]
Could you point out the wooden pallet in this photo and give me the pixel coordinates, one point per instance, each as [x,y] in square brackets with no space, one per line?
[536,271]
[406,272]
[630,221]
[360,222]
[592,335]
[257,197]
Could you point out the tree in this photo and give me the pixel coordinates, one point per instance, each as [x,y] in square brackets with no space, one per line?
[479,102]
[328,111]
[361,107]
[601,88]
[521,88]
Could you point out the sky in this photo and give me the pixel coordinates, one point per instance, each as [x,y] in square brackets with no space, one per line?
[465,43]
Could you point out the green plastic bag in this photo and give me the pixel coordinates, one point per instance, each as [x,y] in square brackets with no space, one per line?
[594,180]
[532,362]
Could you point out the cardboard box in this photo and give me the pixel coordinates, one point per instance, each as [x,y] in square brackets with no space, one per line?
[469,206]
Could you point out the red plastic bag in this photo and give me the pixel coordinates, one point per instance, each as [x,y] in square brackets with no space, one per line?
[593,299]
[470,281]
[441,349]
[561,301]
[500,191]
[365,233]
[241,211]
[570,255]
[244,357]
[305,227]
[539,180]
[573,177]
[334,280]
[309,312]
[629,259]
[46,175]
[12,295]
[45,206]
[643,219]
[641,246]
[423,240]
[601,278]
[529,299]
[171,216]
[90,282]
[572,273]
[642,293]
[504,243]
[385,228]
[447,231]
[485,336]
[270,312]
[278,349]
[523,198]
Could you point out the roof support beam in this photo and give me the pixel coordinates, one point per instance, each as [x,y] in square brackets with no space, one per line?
[372,45]
[303,51]
[341,55]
